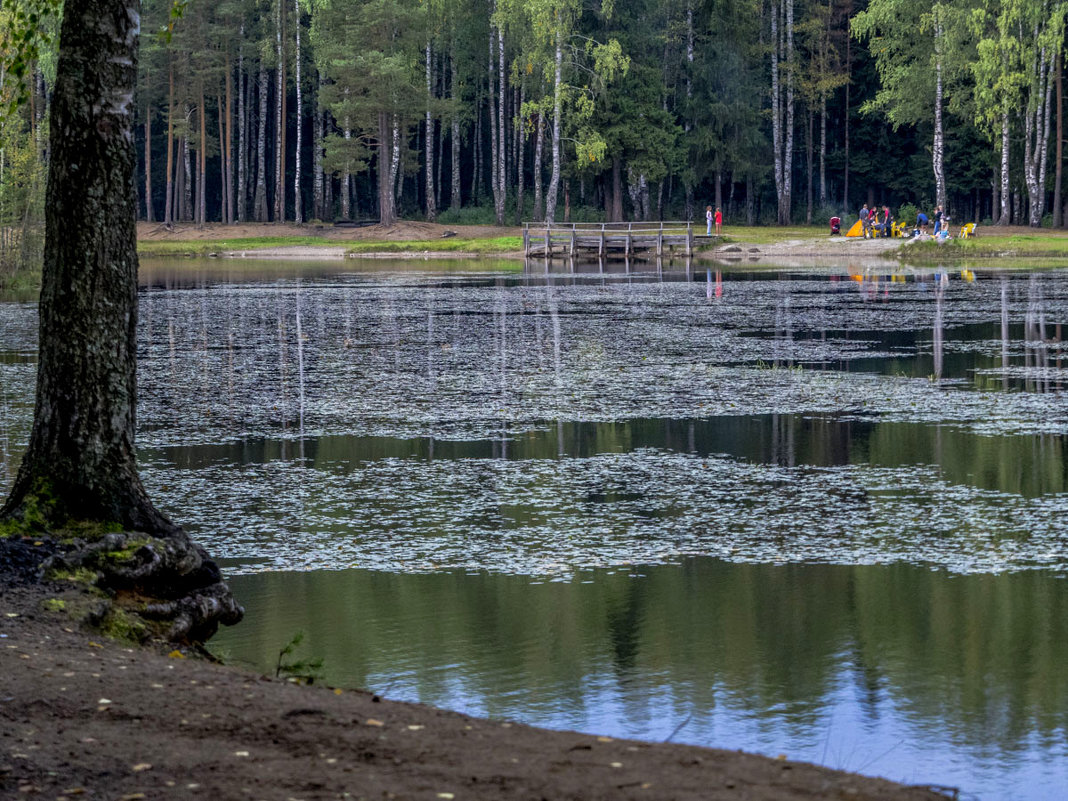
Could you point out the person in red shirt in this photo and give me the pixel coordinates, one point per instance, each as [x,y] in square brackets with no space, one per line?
[719,222]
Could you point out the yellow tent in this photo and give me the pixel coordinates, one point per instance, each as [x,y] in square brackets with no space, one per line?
[856,230]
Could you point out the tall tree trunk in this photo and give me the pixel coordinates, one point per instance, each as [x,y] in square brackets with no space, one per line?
[80,463]
[476,136]
[786,208]
[396,178]
[298,211]
[454,82]
[385,177]
[539,147]
[229,162]
[225,194]
[259,203]
[187,185]
[1005,216]
[346,180]
[1037,121]
[242,127]
[808,167]
[318,205]
[202,163]
[431,196]
[495,154]
[520,139]
[823,152]
[938,147]
[148,163]
[849,80]
[280,117]
[1058,219]
[168,201]
[689,98]
[502,148]
[554,177]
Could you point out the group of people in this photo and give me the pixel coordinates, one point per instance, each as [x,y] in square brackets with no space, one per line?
[941,224]
[873,226]
[717,218]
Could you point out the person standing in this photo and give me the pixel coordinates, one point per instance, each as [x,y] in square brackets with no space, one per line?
[719,222]
[937,219]
[708,221]
[865,220]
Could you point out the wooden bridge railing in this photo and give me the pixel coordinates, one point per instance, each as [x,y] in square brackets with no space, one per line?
[600,237]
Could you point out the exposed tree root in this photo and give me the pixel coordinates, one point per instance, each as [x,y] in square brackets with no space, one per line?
[168,585]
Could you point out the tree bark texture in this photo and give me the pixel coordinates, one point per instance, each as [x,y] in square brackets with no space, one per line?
[938,146]
[259,204]
[298,212]
[431,200]
[554,177]
[1005,217]
[80,462]
[280,118]
[454,83]
[168,204]
[149,217]
[242,127]
[1058,219]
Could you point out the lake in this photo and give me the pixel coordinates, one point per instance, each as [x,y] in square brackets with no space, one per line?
[816,513]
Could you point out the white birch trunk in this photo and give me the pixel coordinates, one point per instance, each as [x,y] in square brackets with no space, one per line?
[431,200]
[279,121]
[260,202]
[539,147]
[1005,216]
[318,206]
[938,146]
[502,148]
[394,167]
[298,215]
[346,209]
[455,188]
[554,178]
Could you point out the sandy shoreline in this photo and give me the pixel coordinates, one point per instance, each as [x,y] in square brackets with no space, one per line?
[83,716]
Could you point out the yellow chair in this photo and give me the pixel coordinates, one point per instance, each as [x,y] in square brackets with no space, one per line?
[898,229]
[967,231]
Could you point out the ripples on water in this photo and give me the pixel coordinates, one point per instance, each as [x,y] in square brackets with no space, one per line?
[556,430]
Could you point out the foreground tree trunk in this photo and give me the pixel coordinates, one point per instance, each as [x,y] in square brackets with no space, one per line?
[79,473]
[554,177]
[938,146]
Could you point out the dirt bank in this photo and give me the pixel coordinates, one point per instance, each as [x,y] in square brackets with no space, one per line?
[403,230]
[85,717]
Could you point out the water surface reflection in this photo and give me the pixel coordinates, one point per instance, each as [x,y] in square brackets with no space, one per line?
[893,670]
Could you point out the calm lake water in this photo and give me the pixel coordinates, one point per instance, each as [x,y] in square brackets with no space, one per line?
[818,514]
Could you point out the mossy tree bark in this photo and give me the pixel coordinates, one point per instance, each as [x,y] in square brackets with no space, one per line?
[79,473]
[80,463]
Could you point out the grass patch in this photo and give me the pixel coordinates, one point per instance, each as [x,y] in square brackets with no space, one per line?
[1013,246]
[491,245]
[769,234]
[204,247]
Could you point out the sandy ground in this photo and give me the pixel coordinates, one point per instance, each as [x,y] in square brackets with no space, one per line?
[85,717]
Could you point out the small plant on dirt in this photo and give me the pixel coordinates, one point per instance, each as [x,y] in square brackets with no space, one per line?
[301,671]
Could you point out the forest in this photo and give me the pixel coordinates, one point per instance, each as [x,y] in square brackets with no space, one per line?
[776,111]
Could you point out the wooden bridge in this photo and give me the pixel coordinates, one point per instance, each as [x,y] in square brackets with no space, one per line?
[610,239]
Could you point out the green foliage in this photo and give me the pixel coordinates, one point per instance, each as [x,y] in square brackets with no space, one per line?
[907,214]
[302,671]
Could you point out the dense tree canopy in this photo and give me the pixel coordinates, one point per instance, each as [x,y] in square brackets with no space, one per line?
[774,110]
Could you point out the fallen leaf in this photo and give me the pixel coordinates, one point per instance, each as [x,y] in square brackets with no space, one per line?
[415,728]
[104,701]
[446,795]
[337,691]
[604,739]
[373,722]
[140,766]
[132,797]
[176,654]
[95,644]
[617,764]
[241,753]
[12,614]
